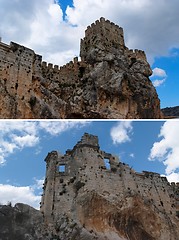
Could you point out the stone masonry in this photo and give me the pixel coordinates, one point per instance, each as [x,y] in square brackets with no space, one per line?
[110,81]
[90,194]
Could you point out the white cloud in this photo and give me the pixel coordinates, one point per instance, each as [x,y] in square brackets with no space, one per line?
[132,155]
[18,126]
[143,28]
[2,160]
[173,177]
[14,194]
[25,141]
[17,135]
[120,133]
[39,24]
[167,149]
[30,195]
[158,77]
[158,72]
[8,146]
[57,127]
[158,83]
[38,183]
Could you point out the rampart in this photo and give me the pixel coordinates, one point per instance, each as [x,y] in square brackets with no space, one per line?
[94,87]
[86,169]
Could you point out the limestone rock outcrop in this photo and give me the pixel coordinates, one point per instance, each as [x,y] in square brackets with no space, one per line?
[20,222]
[110,81]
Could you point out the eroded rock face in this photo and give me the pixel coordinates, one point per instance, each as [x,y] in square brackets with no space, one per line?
[122,219]
[110,81]
[21,222]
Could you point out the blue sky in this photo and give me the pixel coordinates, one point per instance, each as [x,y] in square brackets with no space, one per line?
[168,91]
[144,145]
[53,28]
[64,4]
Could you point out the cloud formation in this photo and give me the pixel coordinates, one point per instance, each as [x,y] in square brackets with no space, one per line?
[56,127]
[132,155]
[158,83]
[173,177]
[166,149]
[38,24]
[158,73]
[16,135]
[121,132]
[14,194]
[148,25]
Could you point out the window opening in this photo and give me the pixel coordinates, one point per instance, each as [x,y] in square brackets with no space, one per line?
[107,163]
[62,168]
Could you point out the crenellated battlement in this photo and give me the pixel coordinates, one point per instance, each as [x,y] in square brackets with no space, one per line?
[72,65]
[136,54]
[103,35]
[23,53]
[104,27]
[92,86]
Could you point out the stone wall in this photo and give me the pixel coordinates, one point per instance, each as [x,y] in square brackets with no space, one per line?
[110,81]
[72,180]
[104,35]
[18,66]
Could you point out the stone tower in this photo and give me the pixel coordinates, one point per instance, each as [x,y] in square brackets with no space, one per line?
[90,194]
[101,37]
[65,175]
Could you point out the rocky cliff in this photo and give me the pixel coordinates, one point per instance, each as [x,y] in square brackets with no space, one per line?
[110,81]
[20,222]
[171,112]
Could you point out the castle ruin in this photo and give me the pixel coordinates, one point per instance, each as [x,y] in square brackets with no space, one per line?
[91,193]
[110,81]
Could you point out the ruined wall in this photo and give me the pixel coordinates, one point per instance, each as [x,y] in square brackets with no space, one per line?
[110,81]
[103,199]
[18,65]
[30,88]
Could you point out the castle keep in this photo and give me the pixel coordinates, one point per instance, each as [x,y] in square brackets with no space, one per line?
[100,197]
[110,81]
